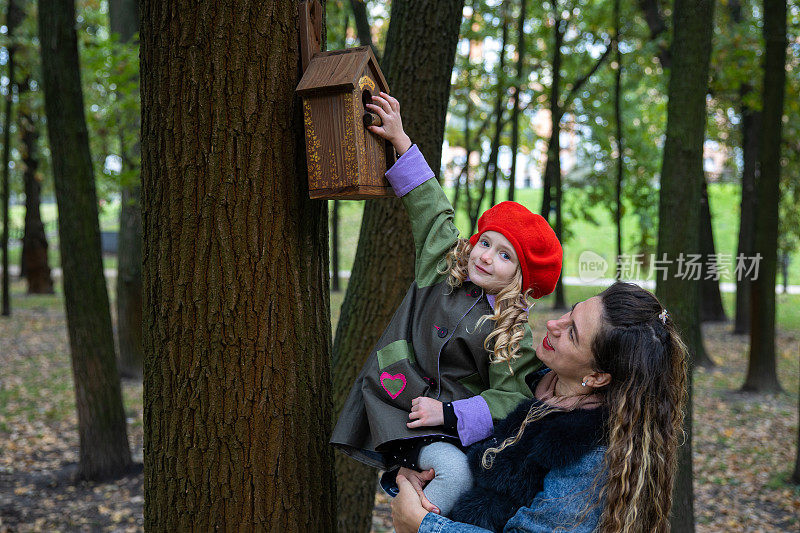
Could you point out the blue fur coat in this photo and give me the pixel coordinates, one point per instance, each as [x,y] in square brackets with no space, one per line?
[557,441]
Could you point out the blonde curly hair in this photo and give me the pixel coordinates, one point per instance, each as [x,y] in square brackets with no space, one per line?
[510,307]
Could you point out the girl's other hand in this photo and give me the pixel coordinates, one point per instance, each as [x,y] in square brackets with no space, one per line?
[425,412]
[388,108]
[418,480]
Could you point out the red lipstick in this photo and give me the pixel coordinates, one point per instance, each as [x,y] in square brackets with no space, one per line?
[546,344]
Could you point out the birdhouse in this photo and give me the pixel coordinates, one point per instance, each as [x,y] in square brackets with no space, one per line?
[345,159]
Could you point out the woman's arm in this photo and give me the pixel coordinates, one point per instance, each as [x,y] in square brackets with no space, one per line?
[568,500]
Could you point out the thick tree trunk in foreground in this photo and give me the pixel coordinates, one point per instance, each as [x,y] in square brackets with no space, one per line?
[761,370]
[124,21]
[104,450]
[237,330]
[34,263]
[679,206]
[420,52]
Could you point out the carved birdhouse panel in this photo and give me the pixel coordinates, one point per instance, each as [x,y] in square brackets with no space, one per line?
[345,160]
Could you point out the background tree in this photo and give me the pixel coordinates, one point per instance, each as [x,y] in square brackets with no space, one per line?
[237,329]
[679,202]
[417,63]
[14,16]
[104,450]
[124,22]
[34,262]
[761,375]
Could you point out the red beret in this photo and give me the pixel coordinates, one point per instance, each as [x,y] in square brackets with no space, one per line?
[538,249]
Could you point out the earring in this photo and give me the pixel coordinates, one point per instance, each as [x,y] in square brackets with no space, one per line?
[583,384]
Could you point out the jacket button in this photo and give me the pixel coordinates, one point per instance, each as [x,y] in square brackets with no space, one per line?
[442,333]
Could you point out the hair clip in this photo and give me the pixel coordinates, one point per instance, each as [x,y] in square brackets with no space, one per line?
[663,316]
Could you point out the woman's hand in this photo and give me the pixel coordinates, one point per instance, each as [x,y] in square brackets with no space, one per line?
[418,480]
[407,511]
[425,412]
[388,108]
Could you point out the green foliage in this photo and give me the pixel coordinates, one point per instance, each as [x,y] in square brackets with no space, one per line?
[110,77]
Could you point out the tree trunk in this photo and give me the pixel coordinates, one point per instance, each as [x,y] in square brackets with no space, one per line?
[13,18]
[553,162]
[335,278]
[512,182]
[237,325]
[104,450]
[679,206]
[796,474]
[618,121]
[34,260]
[124,21]
[359,8]
[499,107]
[751,132]
[551,199]
[761,371]
[711,309]
[419,57]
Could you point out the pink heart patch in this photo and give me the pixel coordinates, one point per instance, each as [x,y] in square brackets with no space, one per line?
[396,383]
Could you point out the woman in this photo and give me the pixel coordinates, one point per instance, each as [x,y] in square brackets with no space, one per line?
[616,358]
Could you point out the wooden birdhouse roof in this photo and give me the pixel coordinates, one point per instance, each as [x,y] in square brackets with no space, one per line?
[341,70]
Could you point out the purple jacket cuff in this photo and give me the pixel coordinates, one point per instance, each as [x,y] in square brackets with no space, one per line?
[474,419]
[408,172]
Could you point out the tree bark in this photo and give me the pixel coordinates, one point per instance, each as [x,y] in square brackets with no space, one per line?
[237,313]
[104,450]
[761,370]
[551,198]
[418,61]
[34,263]
[796,474]
[499,107]
[335,277]
[751,133]
[359,8]
[618,121]
[124,21]
[679,206]
[13,17]
[711,309]
[512,185]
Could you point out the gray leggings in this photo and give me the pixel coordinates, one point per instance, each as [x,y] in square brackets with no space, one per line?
[453,477]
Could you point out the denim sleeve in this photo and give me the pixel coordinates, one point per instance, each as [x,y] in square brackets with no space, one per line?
[569,501]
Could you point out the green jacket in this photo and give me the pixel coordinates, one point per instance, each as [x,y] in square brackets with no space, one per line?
[431,347]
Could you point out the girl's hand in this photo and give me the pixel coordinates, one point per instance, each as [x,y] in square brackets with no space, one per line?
[425,412]
[407,512]
[418,480]
[388,108]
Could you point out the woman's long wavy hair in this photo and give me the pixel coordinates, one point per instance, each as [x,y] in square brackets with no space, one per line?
[510,307]
[647,362]
[646,359]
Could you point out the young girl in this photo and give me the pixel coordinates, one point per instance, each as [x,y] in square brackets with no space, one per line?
[455,355]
